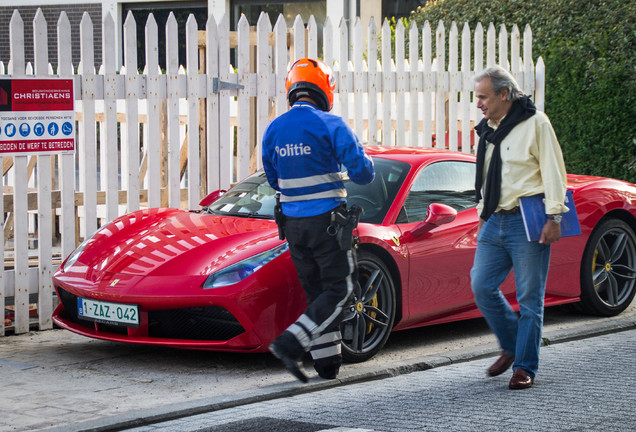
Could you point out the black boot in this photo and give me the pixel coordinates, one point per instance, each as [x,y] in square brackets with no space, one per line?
[328,372]
[286,348]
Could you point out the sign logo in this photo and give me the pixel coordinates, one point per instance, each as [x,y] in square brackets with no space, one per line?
[67,128]
[38,129]
[10,129]
[25,129]
[53,128]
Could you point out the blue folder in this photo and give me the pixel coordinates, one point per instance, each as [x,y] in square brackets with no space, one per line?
[534,217]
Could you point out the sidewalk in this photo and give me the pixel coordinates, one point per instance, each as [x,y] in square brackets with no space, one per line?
[585,385]
[56,379]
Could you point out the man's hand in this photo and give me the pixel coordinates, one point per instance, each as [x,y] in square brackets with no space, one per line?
[551,232]
[481,223]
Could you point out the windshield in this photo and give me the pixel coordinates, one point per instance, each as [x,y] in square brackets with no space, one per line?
[251,197]
[254,197]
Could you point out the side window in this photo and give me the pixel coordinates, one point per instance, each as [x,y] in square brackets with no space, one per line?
[377,197]
[450,183]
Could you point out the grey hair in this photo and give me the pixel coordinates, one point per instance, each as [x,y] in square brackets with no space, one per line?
[501,79]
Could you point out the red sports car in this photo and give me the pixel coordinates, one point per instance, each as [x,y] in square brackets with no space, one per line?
[219,278]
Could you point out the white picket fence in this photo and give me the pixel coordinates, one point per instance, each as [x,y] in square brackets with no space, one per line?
[201,125]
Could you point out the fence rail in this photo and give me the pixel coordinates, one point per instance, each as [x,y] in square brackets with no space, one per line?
[167,137]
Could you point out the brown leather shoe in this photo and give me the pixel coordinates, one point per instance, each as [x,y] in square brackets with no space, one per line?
[501,365]
[520,380]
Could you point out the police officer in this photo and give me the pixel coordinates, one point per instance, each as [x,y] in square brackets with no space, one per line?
[303,151]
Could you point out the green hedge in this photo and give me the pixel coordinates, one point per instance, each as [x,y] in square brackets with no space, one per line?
[589,49]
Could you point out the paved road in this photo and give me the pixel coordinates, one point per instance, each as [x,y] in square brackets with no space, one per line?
[56,379]
[583,385]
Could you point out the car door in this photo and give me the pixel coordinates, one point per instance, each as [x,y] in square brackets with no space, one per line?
[440,259]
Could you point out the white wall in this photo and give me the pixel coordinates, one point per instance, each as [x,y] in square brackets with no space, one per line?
[336,10]
[19,3]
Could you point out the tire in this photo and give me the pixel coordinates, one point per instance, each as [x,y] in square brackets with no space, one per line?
[369,321]
[608,269]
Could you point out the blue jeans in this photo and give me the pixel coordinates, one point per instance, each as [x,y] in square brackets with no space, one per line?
[501,246]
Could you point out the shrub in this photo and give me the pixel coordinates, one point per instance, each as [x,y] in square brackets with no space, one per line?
[588,49]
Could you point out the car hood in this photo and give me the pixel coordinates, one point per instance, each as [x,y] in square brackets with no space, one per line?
[158,242]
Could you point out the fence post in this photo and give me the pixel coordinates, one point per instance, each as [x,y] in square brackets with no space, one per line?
[192,63]
[415,85]
[212,105]
[453,87]
[343,69]
[529,84]
[263,71]
[491,45]
[479,66]
[45,230]
[109,132]
[88,136]
[243,65]
[441,87]
[429,85]
[503,47]
[516,65]
[172,152]
[465,94]
[226,135]
[400,87]
[372,84]
[539,96]
[20,204]
[281,60]
[298,47]
[358,79]
[311,43]
[387,84]
[131,170]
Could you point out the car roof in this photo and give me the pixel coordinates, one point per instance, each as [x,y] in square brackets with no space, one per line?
[416,155]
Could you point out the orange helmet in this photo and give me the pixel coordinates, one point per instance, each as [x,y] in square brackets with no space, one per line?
[311,78]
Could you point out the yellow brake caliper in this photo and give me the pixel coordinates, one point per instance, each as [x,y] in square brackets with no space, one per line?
[374,303]
[594,267]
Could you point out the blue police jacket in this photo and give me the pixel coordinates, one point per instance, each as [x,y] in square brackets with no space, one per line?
[304,150]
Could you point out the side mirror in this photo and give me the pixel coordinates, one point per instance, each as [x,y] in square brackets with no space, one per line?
[436,215]
[212,197]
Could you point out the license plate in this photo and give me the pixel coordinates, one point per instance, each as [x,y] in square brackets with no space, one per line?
[108,312]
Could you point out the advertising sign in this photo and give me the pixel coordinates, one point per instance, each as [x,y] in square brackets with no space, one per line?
[36,116]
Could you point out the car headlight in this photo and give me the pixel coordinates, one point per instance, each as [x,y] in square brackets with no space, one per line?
[239,271]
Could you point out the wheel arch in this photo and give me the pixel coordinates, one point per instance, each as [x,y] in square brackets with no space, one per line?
[626,216]
[388,260]
[621,214]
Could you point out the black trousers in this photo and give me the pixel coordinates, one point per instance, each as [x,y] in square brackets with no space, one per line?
[328,276]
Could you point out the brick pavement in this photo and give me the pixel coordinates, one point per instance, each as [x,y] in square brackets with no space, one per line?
[582,385]
[56,379]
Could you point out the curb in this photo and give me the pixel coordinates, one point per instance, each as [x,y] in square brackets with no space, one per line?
[202,406]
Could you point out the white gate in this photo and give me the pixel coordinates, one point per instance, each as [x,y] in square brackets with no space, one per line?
[169,137]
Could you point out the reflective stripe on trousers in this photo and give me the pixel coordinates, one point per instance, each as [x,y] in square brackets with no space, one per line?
[326,275]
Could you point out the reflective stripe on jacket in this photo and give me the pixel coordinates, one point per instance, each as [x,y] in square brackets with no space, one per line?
[304,150]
